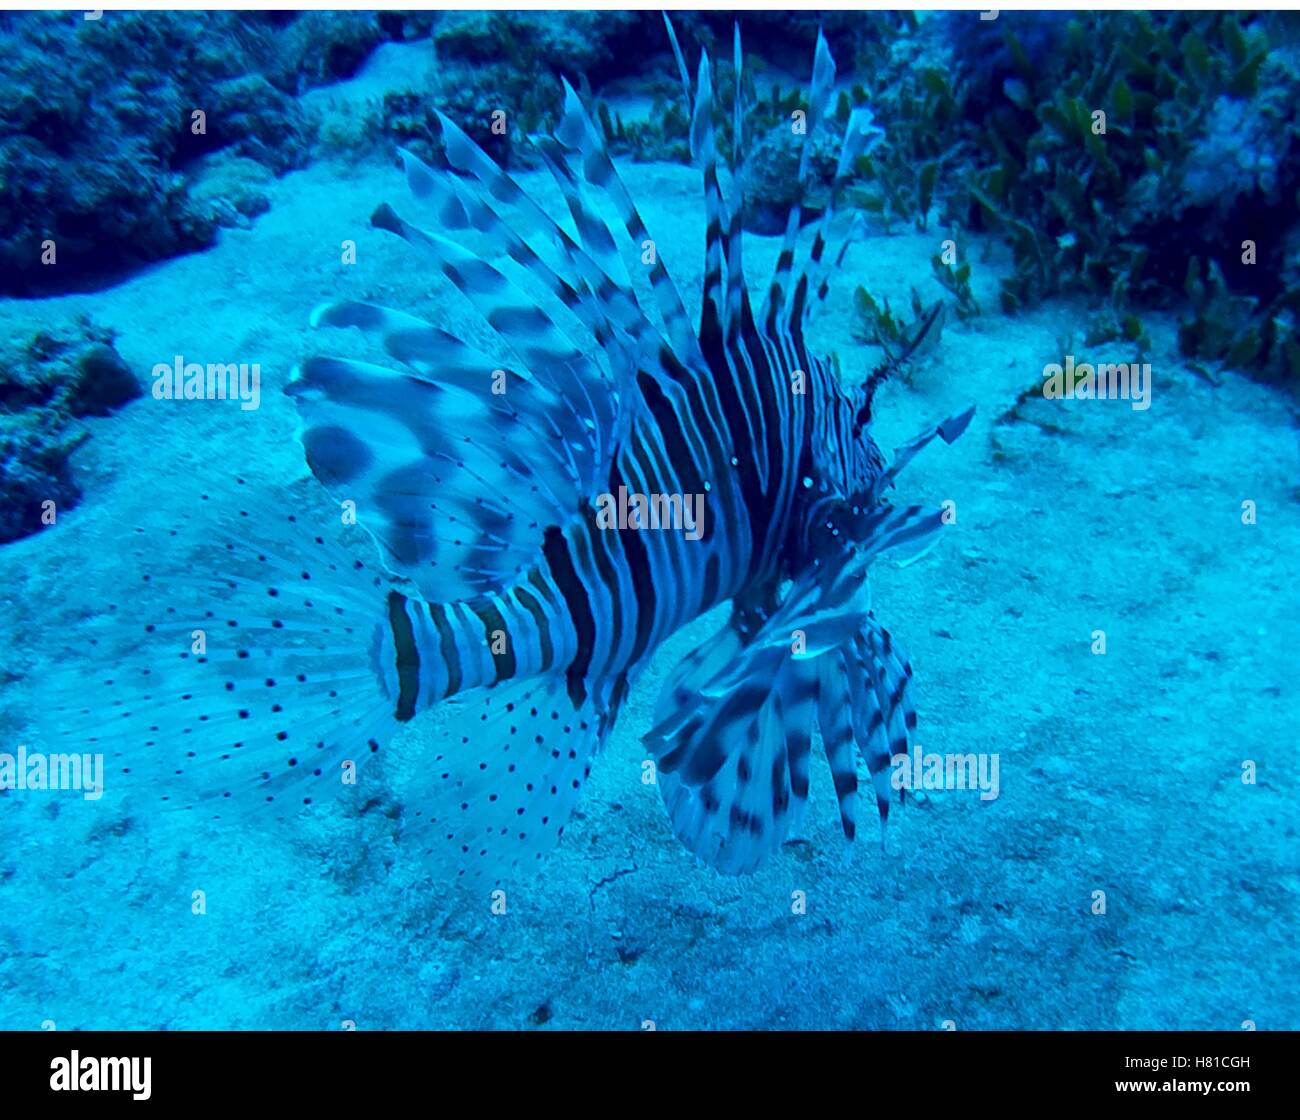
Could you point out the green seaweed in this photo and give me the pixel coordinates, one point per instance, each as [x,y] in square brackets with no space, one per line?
[902,340]
[956,280]
[1083,169]
[1232,332]
[924,145]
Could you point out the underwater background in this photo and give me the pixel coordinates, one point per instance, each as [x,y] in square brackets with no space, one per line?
[1140,866]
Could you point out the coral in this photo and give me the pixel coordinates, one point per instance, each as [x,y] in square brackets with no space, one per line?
[73,372]
[93,161]
[34,470]
[511,63]
[594,45]
[252,118]
[230,190]
[318,48]
[772,174]
[46,386]
[102,161]
[1240,154]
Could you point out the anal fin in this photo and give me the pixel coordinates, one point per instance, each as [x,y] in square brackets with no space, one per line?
[494,783]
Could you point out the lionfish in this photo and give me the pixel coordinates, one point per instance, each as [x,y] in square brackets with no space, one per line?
[499,593]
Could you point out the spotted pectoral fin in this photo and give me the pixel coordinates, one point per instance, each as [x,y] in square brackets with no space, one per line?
[867,701]
[757,784]
[425,468]
[457,459]
[730,680]
[743,814]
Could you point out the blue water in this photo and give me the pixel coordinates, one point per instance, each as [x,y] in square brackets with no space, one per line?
[1106,627]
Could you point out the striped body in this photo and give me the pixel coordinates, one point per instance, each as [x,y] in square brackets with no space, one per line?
[602,599]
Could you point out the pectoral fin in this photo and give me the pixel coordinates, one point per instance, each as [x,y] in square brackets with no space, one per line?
[734,737]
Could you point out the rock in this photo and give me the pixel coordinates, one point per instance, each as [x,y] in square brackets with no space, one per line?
[96,164]
[101,381]
[591,44]
[254,119]
[230,190]
[33,470]
[772,175]
[513,62]
[72,372]
[46,386]
[323,47]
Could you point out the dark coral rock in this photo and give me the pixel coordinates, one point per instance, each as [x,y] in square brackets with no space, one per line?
[33,471]
[772,181]
[323,47]
[230,190]
[98,132]
[103,161]
[504,68]
[254,119]
[472,101]
[74,371]
[46,386]
[400,27]
[100,381]
[596,45]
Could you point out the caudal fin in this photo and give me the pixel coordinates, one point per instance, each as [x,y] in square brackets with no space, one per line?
[257,674]
[244,674]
